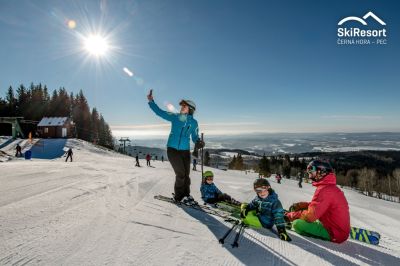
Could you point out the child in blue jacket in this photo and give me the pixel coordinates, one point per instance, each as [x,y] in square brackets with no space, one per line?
[267,207]
[211,194]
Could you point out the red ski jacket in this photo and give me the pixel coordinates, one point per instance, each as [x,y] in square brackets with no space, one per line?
[329,206]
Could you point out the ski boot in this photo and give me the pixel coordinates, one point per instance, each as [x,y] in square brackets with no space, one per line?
[189,200]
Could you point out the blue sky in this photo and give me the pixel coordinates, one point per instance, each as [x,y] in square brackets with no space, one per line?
[250,66]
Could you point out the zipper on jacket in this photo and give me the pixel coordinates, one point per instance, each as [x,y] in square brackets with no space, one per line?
[180,137]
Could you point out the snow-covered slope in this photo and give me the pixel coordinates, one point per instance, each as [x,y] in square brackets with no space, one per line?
[100,210]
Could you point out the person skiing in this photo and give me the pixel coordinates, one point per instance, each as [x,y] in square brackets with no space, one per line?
[162,158]
[148,159]
[278,178]
[194,164]
[69,154]
[267,207]
[183,126]
[300,178]
[18,151]
[327,215]
[211,194]
[137,160]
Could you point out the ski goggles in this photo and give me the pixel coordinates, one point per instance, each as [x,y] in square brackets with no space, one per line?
[260,189]
[310,171]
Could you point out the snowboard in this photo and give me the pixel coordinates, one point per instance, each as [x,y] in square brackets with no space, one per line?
[365,235]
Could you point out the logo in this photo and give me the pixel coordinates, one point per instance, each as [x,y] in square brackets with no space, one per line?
[363,35]
[369,14]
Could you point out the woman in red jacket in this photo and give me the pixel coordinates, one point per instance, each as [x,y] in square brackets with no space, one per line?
[327,215]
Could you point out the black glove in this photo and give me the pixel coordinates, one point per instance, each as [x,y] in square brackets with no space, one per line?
[200,144]
[283,235]
[244,210]
[288,223]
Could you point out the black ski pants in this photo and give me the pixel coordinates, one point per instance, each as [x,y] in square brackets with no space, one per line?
[180,161]
[69,156]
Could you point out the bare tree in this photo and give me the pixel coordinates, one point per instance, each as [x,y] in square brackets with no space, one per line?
[396,175]
[368,178]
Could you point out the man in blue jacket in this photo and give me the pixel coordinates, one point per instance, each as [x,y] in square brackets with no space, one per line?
[183,126]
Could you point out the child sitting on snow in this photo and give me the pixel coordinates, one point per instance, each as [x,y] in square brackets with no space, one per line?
[211,194]
[267,208]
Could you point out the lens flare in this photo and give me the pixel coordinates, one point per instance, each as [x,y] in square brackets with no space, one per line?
[128,72]
[171,108]
[71,24]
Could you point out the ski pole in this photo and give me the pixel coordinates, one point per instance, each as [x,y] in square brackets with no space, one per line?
[222,239]
[235,242]
[202,159]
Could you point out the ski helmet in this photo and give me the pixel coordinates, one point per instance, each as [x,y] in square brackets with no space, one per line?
[191,104]
[318,165]
[261,182]
[208,174]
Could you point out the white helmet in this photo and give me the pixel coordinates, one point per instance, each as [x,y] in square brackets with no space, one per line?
[189,103]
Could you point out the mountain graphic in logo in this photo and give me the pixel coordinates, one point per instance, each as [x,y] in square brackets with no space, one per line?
[362,21]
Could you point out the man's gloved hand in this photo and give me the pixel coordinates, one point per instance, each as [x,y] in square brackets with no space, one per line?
[244,210]
[200,144]
[283,235]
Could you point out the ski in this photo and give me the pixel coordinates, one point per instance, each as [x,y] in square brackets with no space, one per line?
[203,208]
[227,207]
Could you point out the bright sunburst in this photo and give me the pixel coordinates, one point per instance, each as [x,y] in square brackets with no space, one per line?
[96,45]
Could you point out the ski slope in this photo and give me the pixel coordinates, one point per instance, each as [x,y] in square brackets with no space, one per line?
[100,210]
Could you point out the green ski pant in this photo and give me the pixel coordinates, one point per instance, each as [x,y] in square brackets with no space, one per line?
[315,229]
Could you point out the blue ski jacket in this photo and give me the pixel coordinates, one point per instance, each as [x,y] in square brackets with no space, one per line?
[209,191]
[269,210]
[182,127]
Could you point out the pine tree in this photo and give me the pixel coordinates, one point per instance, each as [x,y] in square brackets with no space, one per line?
[95,123]
[22,100]
[207,159]
[264,166]
[232,163]
[11,102]
[81,117]
[3,107]
[64,103]
[286,166]
[239,165]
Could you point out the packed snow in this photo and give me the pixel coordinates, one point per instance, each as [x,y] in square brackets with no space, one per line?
[100,209]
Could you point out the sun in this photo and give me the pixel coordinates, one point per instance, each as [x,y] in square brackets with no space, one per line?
[96,45]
